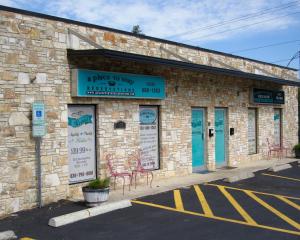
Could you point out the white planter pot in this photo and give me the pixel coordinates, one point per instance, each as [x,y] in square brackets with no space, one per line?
[94,197]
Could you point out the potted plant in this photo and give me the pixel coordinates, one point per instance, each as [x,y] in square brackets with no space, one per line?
[296,149]
[96,192]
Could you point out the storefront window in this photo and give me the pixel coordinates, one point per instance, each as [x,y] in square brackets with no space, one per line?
[149,135]
[252,131]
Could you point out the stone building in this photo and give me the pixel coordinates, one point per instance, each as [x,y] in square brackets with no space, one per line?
[109,91]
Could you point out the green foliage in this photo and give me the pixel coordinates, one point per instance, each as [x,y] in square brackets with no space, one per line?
[136,29]
[296,147]
[99,183]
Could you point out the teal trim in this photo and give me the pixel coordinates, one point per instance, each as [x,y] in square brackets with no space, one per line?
[198,138]
[119,85]
[220,154]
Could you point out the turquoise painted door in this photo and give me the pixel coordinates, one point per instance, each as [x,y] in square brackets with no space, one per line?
[197,139]
[220,137]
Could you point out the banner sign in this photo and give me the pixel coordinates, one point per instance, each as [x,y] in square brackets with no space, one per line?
[263,96]
[89,83]
[81,143]
[252,131]
[149,137]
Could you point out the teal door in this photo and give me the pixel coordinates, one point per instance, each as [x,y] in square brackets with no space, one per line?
[220,155]
[198,139]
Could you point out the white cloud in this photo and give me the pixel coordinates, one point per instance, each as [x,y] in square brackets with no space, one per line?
[168,18]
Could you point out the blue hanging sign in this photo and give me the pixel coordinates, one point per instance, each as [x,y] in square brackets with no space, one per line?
[89,83]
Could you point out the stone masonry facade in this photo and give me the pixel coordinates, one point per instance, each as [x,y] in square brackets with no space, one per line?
[34,67]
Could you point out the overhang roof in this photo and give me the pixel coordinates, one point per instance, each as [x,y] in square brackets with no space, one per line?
[177,64]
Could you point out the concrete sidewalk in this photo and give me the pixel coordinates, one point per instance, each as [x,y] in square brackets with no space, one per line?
[163,185]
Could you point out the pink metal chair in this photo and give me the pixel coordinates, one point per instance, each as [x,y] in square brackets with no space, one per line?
[274,148]
[135,162]
[117,174]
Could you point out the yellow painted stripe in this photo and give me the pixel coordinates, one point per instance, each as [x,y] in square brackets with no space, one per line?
[289,202]
[263,193]
[237,206]
[206,209]
[217,218]
[178,200]
[26,238]
[273,210]
[283,177]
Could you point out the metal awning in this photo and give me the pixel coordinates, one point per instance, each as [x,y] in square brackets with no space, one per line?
[177,64]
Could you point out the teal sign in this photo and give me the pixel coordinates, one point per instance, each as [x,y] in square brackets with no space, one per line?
[147,116]
[77,122]
[263,96]
[89,83]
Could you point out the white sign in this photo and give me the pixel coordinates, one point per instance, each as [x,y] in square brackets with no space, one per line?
[38,119]
[277,127]
[81,143]
[149,137]
[252,131]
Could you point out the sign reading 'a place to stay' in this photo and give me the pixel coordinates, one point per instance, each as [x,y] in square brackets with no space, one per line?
[89,83]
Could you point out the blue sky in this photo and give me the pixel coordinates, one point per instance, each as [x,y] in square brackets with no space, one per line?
[223,25]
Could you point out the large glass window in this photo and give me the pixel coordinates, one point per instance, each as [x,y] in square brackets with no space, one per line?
[277,126]
[149,135]
[252,131]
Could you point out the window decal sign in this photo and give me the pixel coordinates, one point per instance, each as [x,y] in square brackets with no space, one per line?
[81,143]
[149,137]
[90,83]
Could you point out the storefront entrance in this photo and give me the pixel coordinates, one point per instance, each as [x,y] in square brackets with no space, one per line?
[277,126]
[198,139]
[220,136]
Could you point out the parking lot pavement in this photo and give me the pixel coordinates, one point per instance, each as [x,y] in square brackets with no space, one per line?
[264,207]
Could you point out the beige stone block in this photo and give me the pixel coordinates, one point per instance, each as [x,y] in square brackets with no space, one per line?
[11,58]
[52,101]
[33,58]
[25,173]
[5,108]
[8,76]
[34,33]
[52,180]
[52,115]
[21,186]
[18,118]
[9,94]
[7,131]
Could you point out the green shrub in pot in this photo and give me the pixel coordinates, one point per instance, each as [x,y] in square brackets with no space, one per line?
[96,192]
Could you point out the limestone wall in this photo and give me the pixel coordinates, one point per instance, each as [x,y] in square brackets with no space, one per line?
[34,66]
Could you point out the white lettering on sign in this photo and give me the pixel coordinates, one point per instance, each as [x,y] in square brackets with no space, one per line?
[149,137]
[81,143]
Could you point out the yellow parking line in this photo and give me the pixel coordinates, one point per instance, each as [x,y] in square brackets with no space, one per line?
[178,200]
[26,238]
[217,218]
[237,206]
[283,177]
[206,209]
[289,202]
[263,193]
[273,210]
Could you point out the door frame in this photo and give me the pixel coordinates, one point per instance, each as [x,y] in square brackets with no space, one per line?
[202,168]
[226,137]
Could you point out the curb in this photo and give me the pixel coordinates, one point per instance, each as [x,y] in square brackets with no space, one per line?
[238,177]
[87,213]
[7,235]
[279,168]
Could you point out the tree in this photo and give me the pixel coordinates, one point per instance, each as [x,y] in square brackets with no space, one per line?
[136,29]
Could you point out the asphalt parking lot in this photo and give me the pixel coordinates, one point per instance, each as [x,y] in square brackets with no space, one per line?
[264,207]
